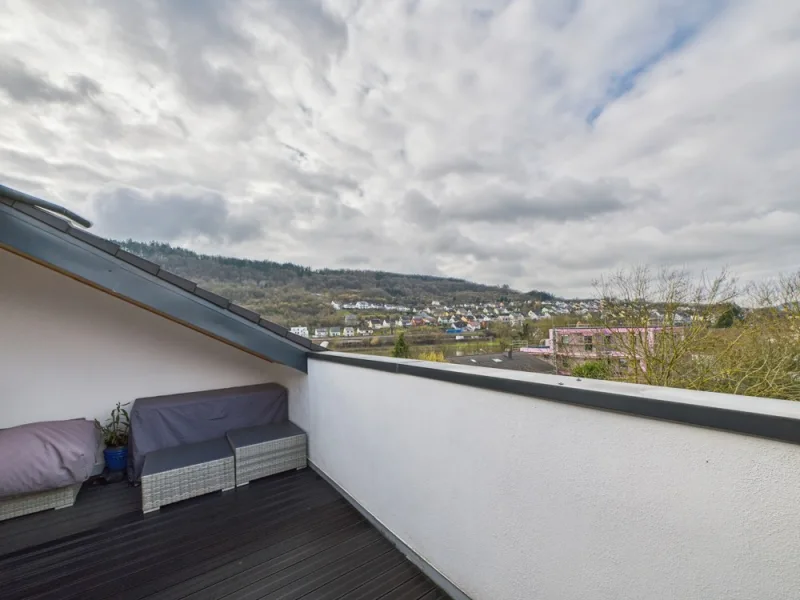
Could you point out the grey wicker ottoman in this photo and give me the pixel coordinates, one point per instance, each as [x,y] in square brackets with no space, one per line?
[267,450]
[174,474]
[25,504]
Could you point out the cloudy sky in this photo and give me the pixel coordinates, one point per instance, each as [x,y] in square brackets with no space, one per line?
[534,143]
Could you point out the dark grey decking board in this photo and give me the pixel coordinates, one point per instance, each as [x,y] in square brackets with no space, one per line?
[94,506]
[291,536]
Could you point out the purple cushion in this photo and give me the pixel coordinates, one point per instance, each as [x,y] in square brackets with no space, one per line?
[48,455]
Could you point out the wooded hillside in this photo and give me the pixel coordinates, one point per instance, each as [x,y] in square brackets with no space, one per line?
[291,294]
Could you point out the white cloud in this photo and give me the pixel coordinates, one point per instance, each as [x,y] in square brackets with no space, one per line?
[509,141]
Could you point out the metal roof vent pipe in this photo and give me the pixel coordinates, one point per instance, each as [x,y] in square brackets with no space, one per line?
[16,196]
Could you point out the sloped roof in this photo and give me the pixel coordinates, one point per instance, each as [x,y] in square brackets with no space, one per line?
[519,361]
[50,240]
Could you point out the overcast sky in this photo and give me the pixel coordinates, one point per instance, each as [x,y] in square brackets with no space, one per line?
[537,144]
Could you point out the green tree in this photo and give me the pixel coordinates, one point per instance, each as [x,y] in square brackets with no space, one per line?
[432,356]
[502,334]
[593,369]
[401,348]
[727,318]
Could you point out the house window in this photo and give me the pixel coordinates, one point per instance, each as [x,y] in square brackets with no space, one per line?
[565,339]
[608,340]
[587,343]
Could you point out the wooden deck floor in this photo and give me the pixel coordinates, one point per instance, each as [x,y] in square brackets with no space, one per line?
[291,536]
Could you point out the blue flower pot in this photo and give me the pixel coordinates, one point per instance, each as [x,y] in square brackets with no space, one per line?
[116,458]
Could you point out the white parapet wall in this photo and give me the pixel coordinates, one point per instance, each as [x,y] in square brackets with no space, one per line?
[512,497]
[69,351]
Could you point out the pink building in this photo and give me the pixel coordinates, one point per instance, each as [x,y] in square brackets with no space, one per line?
[569,346]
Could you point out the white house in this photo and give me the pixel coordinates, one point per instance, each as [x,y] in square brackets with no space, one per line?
[335,331]
[301,331]
[321,332]
[348,332]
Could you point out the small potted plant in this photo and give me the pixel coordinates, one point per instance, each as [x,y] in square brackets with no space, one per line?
[115,435]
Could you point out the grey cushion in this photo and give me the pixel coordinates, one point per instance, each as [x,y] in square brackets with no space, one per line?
[186,455]
[48,455]
[248,436]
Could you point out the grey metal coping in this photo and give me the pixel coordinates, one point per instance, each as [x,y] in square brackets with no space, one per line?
[760,417]
[186,455]
[52,240]
[249,436]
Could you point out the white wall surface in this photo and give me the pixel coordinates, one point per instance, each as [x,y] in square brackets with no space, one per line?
[68,350]
[519,498]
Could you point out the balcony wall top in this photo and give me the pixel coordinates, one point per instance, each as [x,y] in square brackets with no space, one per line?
[763,417]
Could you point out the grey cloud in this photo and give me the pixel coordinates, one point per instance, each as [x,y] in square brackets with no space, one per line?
[194,28]
[463,166]
[568,200]
[85,87]
[427,140]
[557,13]
[511,270]
[319,222]
[419,209]
[628,250]
[24,84]
[336,211]
[180,213]
[316,182]
[23,162]
[216,85]
[707,244]
[354,260]
[454,243]
[320,34]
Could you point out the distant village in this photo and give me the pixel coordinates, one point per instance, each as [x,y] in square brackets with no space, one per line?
[358,320]
[568,331]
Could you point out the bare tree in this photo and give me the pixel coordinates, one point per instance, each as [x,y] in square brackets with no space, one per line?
[760,356]
[658,324]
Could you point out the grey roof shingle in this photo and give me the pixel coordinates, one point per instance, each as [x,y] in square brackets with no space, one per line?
[212,297]
[103,244]
[138,262]
[244,312]
[181,282]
